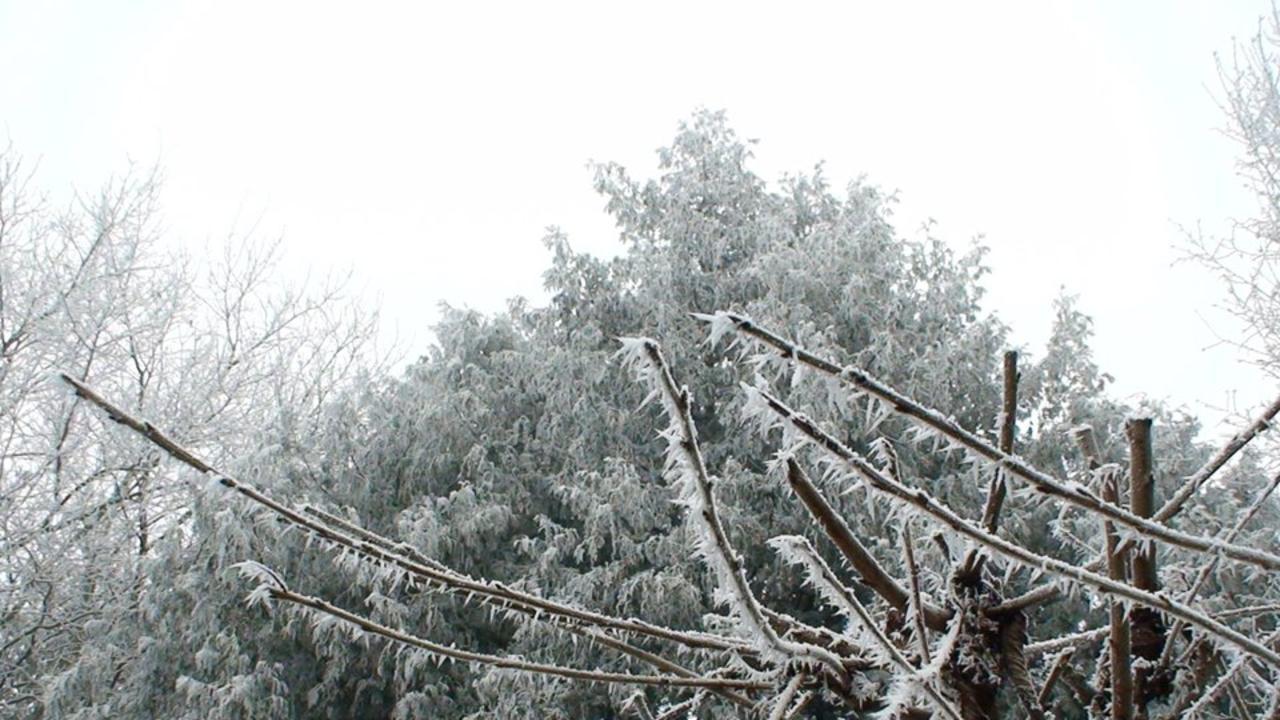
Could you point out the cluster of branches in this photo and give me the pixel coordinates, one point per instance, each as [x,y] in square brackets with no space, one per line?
[957,647]
[213,346]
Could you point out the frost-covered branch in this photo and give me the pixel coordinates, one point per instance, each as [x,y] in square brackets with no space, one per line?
[444,651]
[493,593]
[1206,571]
[923,502]
[686,467]
[797,551]
[932,421]
[593,634]
[1197,480]
[782,704]
[916,606]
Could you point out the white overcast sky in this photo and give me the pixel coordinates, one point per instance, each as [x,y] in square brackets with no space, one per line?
[427,145]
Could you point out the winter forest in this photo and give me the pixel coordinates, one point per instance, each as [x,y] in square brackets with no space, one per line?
[775,460]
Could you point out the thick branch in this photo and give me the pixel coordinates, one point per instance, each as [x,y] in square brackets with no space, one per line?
[1118,641]
[872,575]
[1008,419]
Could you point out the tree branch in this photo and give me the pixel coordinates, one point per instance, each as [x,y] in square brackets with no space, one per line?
[858,556]
[932,421]
[645,357]
[285,595]
[450,580]
[1118,640]
[922,501]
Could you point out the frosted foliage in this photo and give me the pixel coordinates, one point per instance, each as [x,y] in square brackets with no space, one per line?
[208,345]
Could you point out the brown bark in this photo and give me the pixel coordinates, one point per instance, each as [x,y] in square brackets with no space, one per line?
[1147,625]
[1118,640]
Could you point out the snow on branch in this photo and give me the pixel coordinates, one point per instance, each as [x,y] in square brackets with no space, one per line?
[688,472]
[513,663]
[931,422]
[1197,480]
[796,550]
[493,593]
[858,556]
[923,502]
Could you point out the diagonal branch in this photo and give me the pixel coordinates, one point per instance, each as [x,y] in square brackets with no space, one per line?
[1088,445]
[858,556]
[493,593]
[782,706]
[797,550]
[285,595]
[1197,480]
[685,458]
[591,633]
[933,421]
[1203,576]
[913,581]
[923,502]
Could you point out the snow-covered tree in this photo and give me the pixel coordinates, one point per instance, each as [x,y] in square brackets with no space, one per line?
[830,490]
[213,347]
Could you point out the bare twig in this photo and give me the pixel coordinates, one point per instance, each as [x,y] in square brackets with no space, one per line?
[1051,677]
[917,607]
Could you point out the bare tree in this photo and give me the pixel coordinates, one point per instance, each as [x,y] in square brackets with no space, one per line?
[218,349]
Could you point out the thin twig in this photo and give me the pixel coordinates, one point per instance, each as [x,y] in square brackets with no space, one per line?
[917,607]
[819,573]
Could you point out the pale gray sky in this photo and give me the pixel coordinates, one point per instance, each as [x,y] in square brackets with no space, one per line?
[427,145]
